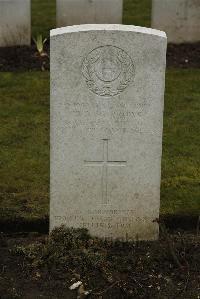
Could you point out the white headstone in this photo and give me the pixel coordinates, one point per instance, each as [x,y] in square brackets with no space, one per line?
[180,19]
[15,22]
[75,12]
[107,88]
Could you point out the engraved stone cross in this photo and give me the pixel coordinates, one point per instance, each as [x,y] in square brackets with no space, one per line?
[104,164]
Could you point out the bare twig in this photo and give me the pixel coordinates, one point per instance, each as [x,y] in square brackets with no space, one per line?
[171,249]
[137,282]
[187,281]
[106,289]
[198,226]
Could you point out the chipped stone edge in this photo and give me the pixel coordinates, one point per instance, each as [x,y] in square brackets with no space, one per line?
[107,27]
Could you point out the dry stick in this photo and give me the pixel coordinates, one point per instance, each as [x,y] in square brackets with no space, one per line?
[108,288]
[137,282]
[186,284]
[172,251]
[198,225]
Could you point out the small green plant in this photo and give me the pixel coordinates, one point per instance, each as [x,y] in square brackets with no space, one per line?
[40,42]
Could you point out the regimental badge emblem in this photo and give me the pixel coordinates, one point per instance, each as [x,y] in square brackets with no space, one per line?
[108,70]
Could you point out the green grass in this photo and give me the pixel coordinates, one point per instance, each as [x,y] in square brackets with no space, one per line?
[180,191]
[24,144]
[43,16]
[136,12]
[24,156]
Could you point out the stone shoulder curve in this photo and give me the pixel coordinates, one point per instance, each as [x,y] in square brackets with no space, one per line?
[107,27]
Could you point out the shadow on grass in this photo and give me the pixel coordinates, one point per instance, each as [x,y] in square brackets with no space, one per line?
[16,225]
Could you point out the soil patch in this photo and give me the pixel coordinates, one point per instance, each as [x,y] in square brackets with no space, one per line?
[25,58]
[35,266]
[184,55]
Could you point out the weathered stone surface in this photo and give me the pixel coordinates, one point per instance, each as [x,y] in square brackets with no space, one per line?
[107,87]
[15,22]
[180,19]
[76,12]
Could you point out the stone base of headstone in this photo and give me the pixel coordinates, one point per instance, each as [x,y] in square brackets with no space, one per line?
[15,22]
[76,12]
[180,19]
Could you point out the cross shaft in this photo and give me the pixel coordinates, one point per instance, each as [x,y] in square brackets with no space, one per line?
[104,164]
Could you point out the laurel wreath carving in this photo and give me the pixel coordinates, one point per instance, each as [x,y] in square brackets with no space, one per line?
[108,88]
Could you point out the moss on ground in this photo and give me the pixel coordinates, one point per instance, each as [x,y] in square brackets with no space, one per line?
[24,145]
